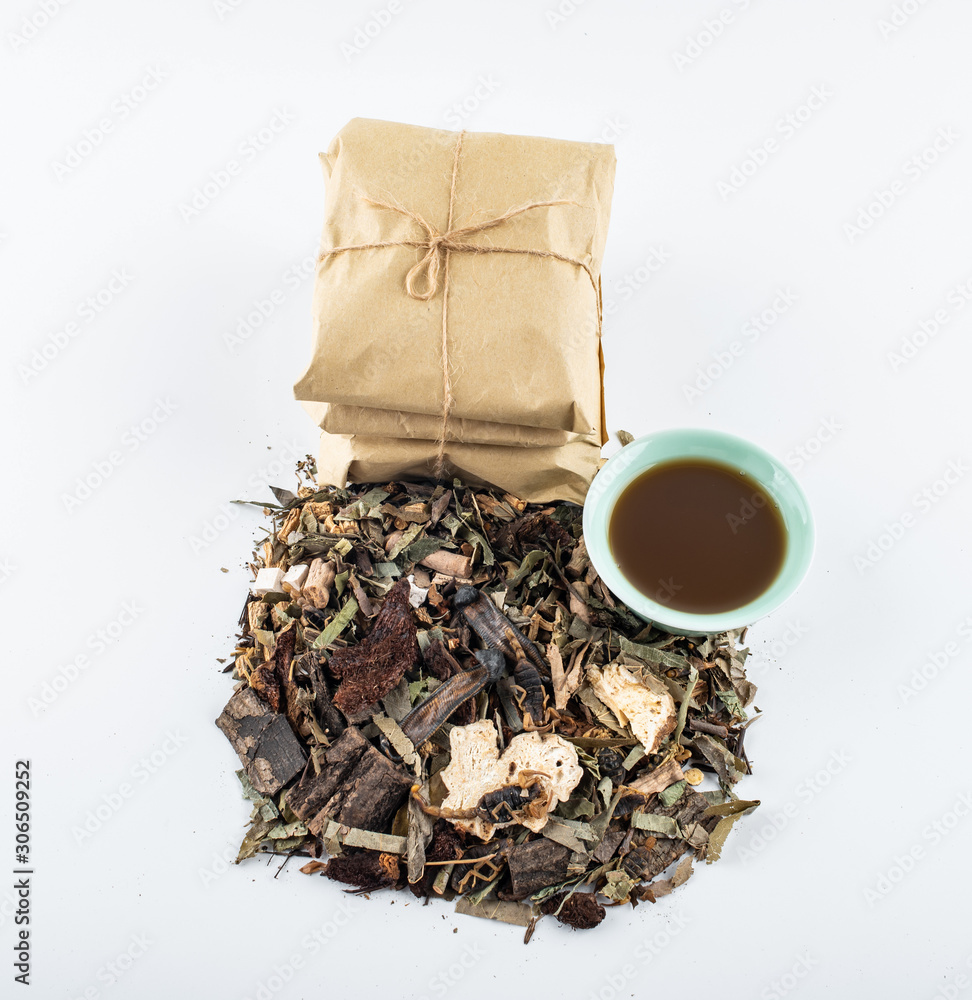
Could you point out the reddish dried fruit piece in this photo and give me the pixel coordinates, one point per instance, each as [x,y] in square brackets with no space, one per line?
[581,911]
[369,670]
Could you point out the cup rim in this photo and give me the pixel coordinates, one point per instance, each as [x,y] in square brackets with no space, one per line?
[669,445]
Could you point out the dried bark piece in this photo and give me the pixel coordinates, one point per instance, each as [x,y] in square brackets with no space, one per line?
[369,670]
[358,787]
[368,870]
[535,865]
[581,911]
[264,741]
[477,768]
[648,710]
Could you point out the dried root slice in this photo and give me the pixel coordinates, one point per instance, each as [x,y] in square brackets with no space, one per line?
[648,711]
[477,768]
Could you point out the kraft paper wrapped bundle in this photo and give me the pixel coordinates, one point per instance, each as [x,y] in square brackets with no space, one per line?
[457,308]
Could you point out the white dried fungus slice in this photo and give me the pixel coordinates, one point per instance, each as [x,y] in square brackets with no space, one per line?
[477,768]
[648,711]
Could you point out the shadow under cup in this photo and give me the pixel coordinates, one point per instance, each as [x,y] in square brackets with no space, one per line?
[666,446]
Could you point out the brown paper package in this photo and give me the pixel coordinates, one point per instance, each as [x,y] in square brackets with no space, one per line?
[525,368]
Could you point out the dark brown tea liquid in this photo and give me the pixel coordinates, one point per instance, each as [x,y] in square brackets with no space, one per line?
[696,535]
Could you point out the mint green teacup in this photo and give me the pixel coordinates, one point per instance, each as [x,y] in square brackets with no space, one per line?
[664,446]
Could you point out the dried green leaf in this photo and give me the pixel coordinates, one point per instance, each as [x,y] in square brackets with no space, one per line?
[684,707]
[652,656]
[337,624]
[408,536]
[727,766]
[717,837]
[617,886]
[664,826]
[530,561]
[671,795]
[732,701]
[421,548]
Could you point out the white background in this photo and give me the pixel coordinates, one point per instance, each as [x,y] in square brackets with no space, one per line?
[815,882]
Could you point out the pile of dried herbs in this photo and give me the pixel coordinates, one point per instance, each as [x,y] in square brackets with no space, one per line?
[437,692]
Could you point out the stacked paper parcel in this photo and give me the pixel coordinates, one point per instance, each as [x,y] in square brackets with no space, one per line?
[447,342]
